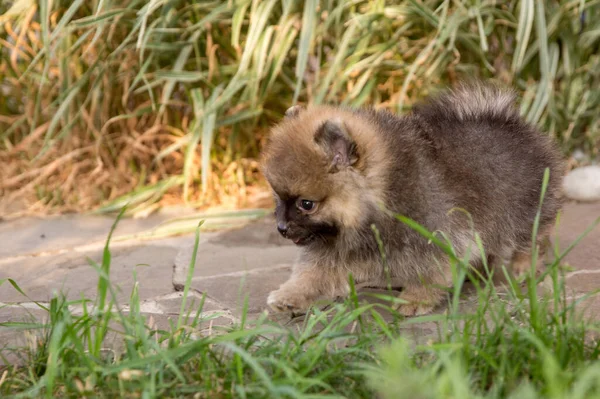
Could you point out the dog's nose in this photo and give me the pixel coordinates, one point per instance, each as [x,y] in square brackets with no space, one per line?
[282,227]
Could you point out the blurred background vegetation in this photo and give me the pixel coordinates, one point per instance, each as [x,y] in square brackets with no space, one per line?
[169,101]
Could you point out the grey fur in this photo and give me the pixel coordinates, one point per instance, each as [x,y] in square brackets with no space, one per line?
[466,149]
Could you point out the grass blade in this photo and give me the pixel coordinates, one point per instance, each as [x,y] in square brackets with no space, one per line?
[304,47]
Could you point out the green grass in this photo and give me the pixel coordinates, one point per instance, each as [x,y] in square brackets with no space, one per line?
[175,97]
[516,342]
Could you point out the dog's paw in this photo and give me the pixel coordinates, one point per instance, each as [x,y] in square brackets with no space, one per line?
[414,309]
[284,300]
[418,301]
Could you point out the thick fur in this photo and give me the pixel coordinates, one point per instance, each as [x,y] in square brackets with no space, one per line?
[466,149]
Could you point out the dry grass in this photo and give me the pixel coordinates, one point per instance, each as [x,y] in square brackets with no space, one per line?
[105,101]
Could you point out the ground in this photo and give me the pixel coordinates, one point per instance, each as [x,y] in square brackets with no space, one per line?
[45,256]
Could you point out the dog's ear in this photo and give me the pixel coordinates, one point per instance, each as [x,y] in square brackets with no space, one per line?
[293,111]
[333,137]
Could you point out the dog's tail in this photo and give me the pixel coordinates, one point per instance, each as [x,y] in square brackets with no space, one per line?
[471,101]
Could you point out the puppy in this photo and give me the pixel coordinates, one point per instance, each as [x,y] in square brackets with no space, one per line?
[335,172]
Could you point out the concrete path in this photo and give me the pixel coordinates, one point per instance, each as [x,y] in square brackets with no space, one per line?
[48,256]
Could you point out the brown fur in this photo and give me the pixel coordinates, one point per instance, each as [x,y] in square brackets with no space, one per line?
[465,149]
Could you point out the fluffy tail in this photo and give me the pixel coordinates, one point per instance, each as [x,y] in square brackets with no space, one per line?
[470,102]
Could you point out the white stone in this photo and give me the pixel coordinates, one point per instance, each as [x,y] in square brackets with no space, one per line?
[580,156]
[583,184]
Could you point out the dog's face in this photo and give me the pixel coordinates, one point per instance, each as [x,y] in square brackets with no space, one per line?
[313,165]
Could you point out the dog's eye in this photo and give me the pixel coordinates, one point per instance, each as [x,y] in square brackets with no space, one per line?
[306,206]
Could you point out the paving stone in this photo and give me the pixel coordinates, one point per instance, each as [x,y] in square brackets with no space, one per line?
[231,290]
[41,277]
[576,218]
[590,307]
[252,261]
[252,247]
[21,314]
[15,345]
[214,260]
[212,312]
[35,235]
[583,281]
[164,315]
[14,336]
[161,313]
[212,324]
[584,259]
[260,233]
[170,304]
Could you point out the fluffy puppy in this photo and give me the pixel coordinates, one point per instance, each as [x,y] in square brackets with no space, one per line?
[335,172]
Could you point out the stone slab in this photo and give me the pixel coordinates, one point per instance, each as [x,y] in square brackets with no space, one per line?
[42,277]
[232,290]
[575,219]
[584,259]
[255,246]
[34,235]
[159,313]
